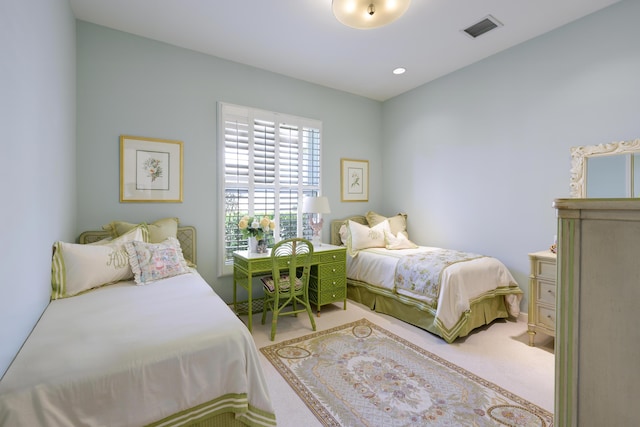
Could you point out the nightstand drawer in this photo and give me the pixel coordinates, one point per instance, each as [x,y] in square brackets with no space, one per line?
[547,317]
[547,293]
[545,269]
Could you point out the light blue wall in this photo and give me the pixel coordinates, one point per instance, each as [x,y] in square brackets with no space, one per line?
[37,118]
[477,157]
[134,86]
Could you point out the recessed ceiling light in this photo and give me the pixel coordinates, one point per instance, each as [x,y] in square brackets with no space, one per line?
[399,71]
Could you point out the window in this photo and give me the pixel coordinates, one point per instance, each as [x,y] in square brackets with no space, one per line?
[270,161]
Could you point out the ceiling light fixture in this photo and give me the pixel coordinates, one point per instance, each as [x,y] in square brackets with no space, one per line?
[365,14]
[399,70]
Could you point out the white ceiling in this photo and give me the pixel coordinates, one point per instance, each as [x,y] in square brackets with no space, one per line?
[302,39]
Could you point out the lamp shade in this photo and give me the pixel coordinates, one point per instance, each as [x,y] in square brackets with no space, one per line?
[363,14]
[318,204]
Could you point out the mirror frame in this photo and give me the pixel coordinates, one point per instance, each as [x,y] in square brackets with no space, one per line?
[579,156]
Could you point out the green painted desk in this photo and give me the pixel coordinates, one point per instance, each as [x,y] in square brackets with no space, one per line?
[328,281]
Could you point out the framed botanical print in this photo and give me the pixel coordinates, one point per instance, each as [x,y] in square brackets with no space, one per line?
[150,169]
[354,180]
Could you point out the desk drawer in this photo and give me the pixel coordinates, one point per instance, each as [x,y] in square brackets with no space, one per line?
[333,269]
[328,257]
[328,284]
[546,293]
[327,290]
[262,264]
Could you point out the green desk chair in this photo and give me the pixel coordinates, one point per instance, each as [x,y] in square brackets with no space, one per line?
[290,258]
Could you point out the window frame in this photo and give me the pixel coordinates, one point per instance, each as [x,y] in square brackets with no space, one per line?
[250,115]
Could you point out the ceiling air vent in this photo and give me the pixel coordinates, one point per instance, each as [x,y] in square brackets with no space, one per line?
[485,25]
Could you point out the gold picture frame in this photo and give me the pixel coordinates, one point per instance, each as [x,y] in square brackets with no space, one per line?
[354,180]
[150,170]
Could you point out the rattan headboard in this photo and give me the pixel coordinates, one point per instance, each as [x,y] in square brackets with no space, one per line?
[337,223]
[186,237]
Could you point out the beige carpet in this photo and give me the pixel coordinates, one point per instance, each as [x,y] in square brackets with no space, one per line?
[498,354]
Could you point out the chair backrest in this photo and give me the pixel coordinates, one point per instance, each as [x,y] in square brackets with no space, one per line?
[292,257]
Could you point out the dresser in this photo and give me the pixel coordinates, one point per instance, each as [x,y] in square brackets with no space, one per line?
[328,282]
[598,337]
[542,294]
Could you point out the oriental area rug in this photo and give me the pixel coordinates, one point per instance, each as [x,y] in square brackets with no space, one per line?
[360,374]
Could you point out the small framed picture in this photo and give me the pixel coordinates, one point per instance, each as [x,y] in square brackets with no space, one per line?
[150,169]
[354,180]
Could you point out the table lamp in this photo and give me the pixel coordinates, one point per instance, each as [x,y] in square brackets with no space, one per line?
[316,205]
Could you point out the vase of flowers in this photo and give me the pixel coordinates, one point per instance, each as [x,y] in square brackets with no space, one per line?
[255,230]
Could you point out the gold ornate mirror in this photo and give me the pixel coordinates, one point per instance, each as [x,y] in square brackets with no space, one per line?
[609,170]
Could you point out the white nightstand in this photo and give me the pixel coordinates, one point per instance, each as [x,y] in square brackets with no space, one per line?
[542,294]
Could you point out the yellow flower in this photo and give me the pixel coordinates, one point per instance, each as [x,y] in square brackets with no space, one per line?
[255,226]
[264,222]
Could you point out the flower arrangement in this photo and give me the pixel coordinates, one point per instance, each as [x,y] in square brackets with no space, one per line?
[256,227]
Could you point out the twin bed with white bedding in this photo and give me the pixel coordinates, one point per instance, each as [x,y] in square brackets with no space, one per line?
[167,352]
[446,292]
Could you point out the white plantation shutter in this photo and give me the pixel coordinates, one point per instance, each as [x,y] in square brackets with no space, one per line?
[236,150]
[270,162]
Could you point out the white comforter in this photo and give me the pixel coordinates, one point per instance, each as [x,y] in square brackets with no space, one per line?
[127,355]
[461,282]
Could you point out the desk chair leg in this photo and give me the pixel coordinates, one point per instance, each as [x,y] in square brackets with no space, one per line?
[265,307]
[313,322]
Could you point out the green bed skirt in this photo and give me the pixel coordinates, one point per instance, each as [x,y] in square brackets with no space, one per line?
[230,410]
[483,311]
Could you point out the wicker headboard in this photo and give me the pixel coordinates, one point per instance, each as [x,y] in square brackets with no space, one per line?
[337,223]
[186,237]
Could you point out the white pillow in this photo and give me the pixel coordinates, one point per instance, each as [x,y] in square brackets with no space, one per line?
[155,261]
[398,242]
[76,268]
[363,237]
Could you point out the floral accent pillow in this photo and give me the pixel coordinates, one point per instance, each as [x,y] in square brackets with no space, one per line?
[76,268]
[154,261]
